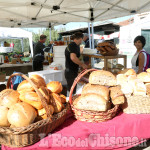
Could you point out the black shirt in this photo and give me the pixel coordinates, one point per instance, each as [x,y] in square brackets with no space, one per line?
[38,52]
[87,44]
[72,48]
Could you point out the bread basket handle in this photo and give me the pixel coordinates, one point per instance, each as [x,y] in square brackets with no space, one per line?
[77,79]
[43,100]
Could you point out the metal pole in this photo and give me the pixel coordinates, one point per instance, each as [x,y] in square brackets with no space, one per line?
[50,36]
[22,45]
[92,36]
[89,32]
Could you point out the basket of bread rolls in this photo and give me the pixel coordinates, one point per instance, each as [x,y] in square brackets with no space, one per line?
[100,98]
[33,109]
[136,88]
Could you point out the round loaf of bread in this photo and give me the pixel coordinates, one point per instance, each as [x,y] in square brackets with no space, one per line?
[3,116]
[43,111]
[55,101]
[97,89]
[144,76]
[32,99]
[21,114]
[130,72]
[9,97]
[55,87]
[25,85]
[102,77]
[38,80]
[63,98]
[90,101]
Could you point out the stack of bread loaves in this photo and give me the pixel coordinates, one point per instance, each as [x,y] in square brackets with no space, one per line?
[98,94]
[23,107]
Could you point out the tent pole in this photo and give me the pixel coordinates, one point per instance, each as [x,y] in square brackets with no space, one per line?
[89,32]
[50,34]
[22,45]
[92,36]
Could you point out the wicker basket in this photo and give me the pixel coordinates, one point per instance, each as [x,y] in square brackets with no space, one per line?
[28,135]
[137,105]
[87,115]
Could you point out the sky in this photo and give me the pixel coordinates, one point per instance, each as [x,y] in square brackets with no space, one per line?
[75,25]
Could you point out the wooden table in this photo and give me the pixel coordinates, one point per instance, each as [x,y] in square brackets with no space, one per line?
[10,68]
[106,59]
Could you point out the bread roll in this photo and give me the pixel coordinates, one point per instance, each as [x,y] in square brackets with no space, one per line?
[55,101]
[3,116]
[127,89]
[147,88]
[102,77]
[25,85]
[55,87]
[90,101]
[148,70]
[144,76]
[63,98]
[43,111]
[45,92]
[32,99]
[130,72]
[139,88]
[121,79]
[9,97]
[118,100]
[97,89]
[115,92]
[38,80]
[21,114]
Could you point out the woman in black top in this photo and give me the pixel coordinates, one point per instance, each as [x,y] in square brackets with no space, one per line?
[72,54]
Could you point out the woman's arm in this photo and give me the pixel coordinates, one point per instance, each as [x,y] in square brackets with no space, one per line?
[141,62]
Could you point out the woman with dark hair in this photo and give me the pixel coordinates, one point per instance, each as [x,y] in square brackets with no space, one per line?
[140,58]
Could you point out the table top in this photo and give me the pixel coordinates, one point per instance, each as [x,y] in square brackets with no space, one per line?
[5,65]
[122,132]
[105,57]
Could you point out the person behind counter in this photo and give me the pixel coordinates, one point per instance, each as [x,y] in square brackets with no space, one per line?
[38,53]
[72,62]
[140,58]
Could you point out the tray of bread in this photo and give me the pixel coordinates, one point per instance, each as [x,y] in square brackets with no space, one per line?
[100,98]
[32,109]
[136,88]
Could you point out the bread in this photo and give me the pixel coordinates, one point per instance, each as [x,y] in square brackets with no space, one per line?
[123,71]
[130,72]
[121,79]
[139,88]
[102,77]
[25,85]
[32,99]
[127,89]
[3,116]
[148,70]
[144,76]
[9,97]
[97,89]
[55,101]
[21,114]
[115,92]
[63,98]
[43,111]
[45,92]
[147,88]
[55,87]
[38,80]
[118,100]
[90,101]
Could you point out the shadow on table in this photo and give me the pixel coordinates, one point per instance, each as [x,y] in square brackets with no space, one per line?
[142,146]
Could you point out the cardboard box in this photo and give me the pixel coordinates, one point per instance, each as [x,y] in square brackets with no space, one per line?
[2,76]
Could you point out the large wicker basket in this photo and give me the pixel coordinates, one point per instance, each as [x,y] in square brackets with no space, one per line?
[28,135]
[137,105]
[87,115]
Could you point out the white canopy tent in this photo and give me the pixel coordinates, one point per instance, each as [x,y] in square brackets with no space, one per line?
[13,33]
[39,13]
